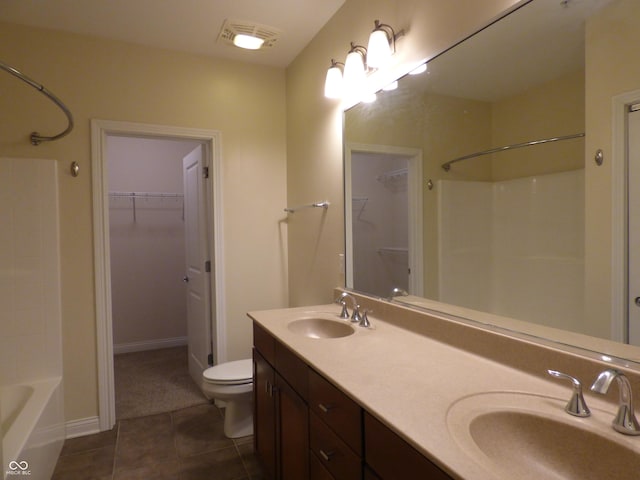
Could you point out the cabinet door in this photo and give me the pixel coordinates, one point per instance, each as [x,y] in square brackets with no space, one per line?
[293,432]
[394,459]
[264,414]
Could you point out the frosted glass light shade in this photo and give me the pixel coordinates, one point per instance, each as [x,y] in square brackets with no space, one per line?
[248,42]
[333,87]
[391,86]
[354,73]
[379,49]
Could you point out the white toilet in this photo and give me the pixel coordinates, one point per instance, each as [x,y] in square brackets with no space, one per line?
[232,382]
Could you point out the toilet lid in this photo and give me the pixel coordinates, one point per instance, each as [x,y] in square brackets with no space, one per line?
[239,371]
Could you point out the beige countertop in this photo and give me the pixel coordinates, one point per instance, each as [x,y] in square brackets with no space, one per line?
[410,381]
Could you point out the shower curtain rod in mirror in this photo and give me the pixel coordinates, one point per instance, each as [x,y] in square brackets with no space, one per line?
[36,138]
[447,165]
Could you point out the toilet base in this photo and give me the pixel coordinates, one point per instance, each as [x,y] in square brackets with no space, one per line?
[238,419]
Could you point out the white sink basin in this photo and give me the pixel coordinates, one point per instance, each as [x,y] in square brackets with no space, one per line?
[321,328]
[531,437]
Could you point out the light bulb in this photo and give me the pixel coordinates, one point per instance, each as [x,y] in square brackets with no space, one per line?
[248,42]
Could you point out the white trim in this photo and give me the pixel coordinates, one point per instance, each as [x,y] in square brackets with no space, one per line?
[149,345]
[416,255]
[82,427]
[100,129]
[619,192]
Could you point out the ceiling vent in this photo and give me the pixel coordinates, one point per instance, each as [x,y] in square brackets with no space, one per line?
[231,28]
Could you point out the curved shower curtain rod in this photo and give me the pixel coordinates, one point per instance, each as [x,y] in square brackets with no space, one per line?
[36,139]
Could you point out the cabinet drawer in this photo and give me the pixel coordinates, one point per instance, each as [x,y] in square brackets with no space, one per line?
[333,453]
[394,459]
[317,470]
[337,410]
[292,369]
[264,343]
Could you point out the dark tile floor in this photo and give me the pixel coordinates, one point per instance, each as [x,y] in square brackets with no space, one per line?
[187,444]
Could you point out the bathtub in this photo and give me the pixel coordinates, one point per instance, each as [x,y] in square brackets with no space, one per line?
[32,423]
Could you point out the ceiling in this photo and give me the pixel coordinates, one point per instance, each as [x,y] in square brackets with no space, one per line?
[184,25]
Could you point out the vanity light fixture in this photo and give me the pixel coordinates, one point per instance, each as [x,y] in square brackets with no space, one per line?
[391,86]
[369,98]
[418,70]
[382,44]
[355,71]
[333,84]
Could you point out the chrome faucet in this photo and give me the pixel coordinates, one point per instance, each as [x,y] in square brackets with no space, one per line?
[625,420]
[342,300]
[397,292]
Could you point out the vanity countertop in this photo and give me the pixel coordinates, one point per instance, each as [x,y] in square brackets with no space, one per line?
[410,381]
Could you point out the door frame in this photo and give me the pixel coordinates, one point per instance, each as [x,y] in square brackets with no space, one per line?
[620,231]
[211,139]
[414,198]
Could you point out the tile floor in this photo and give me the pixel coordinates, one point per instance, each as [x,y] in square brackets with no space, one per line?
[187,444]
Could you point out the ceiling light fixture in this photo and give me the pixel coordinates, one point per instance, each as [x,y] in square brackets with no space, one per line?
[382,44]
[248,35]
[248,42]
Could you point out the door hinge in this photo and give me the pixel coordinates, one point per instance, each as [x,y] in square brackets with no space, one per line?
[210,359]
[205,172]
[207,266]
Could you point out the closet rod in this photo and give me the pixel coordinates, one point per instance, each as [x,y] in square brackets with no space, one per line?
[145,195]
[447,165]
[36,138]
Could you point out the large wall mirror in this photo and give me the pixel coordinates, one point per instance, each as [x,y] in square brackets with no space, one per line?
[465,186]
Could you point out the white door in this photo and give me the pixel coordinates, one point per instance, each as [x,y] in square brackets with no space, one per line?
[634,225]
[197,276]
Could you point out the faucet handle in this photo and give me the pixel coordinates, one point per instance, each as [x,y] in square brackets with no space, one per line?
[356,316]
[344,314]
[576,405]
[364,320]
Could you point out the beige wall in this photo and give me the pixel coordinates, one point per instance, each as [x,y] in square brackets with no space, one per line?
[314,147]
[116,81]
[552,109]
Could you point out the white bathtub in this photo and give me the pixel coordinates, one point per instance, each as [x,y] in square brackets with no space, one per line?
[32,423]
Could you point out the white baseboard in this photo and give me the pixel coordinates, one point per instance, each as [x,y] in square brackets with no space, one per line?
[82,427]
[149,345]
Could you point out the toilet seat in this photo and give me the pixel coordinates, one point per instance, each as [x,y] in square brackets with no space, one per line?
[238,372]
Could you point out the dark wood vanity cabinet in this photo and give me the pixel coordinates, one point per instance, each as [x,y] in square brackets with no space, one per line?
[391,458]
[307,428]
[281,415]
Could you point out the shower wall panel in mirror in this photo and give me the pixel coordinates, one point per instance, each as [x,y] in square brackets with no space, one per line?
[504,224]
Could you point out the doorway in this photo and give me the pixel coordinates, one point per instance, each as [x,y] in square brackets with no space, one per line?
[209,198]
[383,219]
[633,155]
[147,231]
